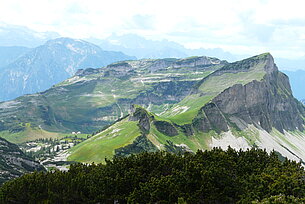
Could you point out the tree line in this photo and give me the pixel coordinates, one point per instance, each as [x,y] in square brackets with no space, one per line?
[215,176]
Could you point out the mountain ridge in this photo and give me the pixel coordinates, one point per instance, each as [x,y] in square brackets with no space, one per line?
[243,115]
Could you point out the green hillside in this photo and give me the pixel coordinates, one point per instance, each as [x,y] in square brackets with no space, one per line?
[242,104]
[94,98]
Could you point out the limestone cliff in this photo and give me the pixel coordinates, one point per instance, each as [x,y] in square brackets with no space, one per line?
[266,104]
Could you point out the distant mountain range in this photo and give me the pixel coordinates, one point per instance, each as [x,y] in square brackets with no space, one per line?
[142,48]
[9,54]
[13,35]
[56,60]
[15,40]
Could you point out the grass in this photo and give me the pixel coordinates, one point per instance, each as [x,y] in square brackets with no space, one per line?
[209,89]
[28,135]
[251,135]
[195,142]
[103,145]
[281,136]
[217,84]
[193,103]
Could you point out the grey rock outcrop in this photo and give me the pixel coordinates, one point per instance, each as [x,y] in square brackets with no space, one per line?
[266,104]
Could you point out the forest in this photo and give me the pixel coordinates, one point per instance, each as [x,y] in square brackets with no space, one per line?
[215,176]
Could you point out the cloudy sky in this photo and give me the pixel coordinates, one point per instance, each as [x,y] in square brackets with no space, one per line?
[238,26]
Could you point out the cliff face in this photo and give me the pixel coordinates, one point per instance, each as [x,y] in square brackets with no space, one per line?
[14,163]
[266,104]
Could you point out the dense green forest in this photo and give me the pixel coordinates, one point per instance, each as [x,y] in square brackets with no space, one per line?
[215,176]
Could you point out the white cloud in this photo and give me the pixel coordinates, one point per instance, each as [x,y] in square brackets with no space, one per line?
[236,25]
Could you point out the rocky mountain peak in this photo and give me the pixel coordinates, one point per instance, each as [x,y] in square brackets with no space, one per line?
[74,45]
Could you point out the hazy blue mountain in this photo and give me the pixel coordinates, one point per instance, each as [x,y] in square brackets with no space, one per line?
[140,47]
[12,35]
[51,63]
[291,64]
[8,54]
[297,81]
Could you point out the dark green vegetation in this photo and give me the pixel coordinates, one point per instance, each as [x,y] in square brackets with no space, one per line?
[14,163]
[214,176]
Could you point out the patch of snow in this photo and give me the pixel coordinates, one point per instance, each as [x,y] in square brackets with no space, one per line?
[74,49]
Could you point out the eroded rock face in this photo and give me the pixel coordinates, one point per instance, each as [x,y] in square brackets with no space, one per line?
[140,144]
[141,115]
[14,163]
[266,104]
[166,128]
[210,118]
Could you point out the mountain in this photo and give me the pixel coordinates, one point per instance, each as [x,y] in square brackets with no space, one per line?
[244,104]
[142,48]
[14,35]
[14,163]
[183,105]
[94,98]
[53,62]
[10,54]
[297,80]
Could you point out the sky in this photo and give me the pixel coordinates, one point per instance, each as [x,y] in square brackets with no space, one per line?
[238,26]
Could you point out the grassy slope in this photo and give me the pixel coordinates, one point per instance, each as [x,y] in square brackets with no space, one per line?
[102,145]
[28,135]
[31,134]
[199,140]
[209,89]
[78,99]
